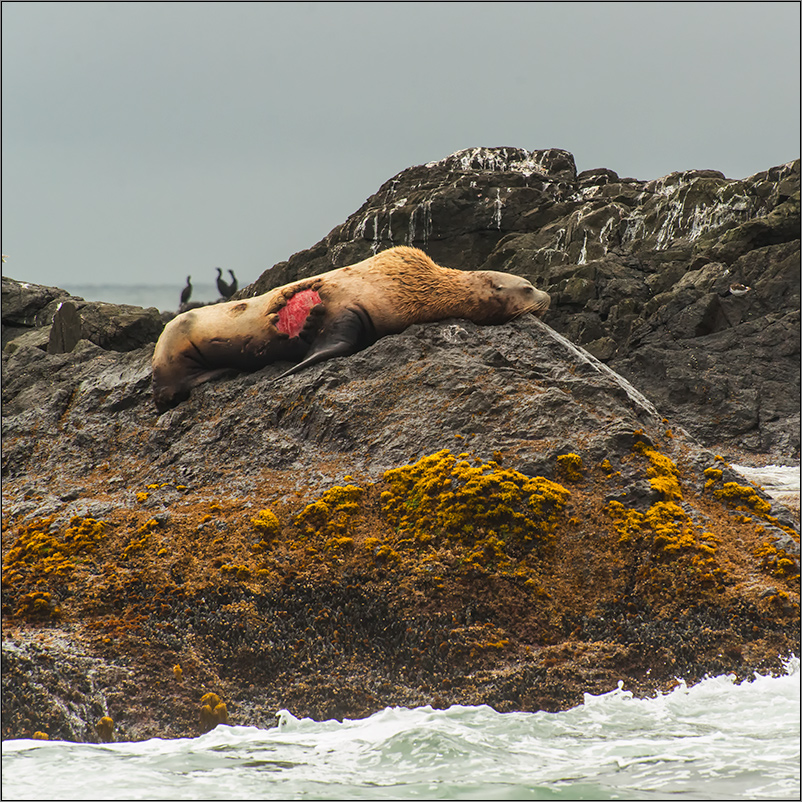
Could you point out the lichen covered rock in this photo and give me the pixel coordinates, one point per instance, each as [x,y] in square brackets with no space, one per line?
[456,514]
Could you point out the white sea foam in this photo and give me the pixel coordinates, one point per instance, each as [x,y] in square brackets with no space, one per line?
[717,739]
[781,482]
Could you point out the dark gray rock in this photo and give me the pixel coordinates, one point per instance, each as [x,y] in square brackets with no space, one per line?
[27,338]
[522,390]
[23,303]
[635,269]
[53,320]
[120,327]
[66,329]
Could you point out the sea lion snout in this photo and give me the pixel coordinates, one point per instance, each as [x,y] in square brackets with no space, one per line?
[540,301]
[519,294]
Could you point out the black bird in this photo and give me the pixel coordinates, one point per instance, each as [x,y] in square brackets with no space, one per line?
[233,286]
[186,293]
[226,290]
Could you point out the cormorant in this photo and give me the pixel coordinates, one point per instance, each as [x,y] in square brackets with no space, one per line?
[186,292]
[222,287]
[226,290]
[233,286]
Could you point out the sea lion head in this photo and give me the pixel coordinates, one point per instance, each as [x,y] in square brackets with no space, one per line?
[516,296]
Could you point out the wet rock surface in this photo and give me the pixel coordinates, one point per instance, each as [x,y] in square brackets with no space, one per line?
[457,514]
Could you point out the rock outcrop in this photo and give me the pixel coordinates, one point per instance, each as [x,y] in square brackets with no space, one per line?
[454,515]
[457,514]
[640,273]
[52,320]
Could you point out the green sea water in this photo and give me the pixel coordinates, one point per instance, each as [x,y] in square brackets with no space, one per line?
[719,739]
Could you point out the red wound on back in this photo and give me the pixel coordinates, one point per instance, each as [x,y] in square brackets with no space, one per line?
[292,317]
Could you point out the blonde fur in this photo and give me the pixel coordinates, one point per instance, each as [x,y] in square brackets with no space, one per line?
[391,290]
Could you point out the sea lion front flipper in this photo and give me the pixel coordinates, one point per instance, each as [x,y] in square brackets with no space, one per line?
[351,332]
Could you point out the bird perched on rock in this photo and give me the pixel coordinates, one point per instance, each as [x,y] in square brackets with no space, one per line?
[186,293]
[739,289]
[234,284]
[226,290]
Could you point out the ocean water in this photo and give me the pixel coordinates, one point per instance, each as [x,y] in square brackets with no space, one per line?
[718,739]
[165,297]
[781,482]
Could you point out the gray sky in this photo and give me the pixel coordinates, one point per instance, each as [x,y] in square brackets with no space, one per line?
[145,141]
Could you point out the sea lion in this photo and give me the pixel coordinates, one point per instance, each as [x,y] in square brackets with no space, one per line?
[334,314]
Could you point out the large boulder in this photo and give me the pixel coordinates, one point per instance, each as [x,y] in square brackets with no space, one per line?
[635,268]
[457,514]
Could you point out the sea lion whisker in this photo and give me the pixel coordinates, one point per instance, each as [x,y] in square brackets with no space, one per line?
[537,306]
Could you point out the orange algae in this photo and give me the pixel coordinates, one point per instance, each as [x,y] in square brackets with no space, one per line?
[486,514]
[570,468]
[105,727]
[713,475]
[671,528]
[482,505]
[777,562]
[141,543]
[40,557]
[38,553]
[663,473]
[268,524]
[240,572]
[743,497]
[212,712]
[38,604]
[332,516]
